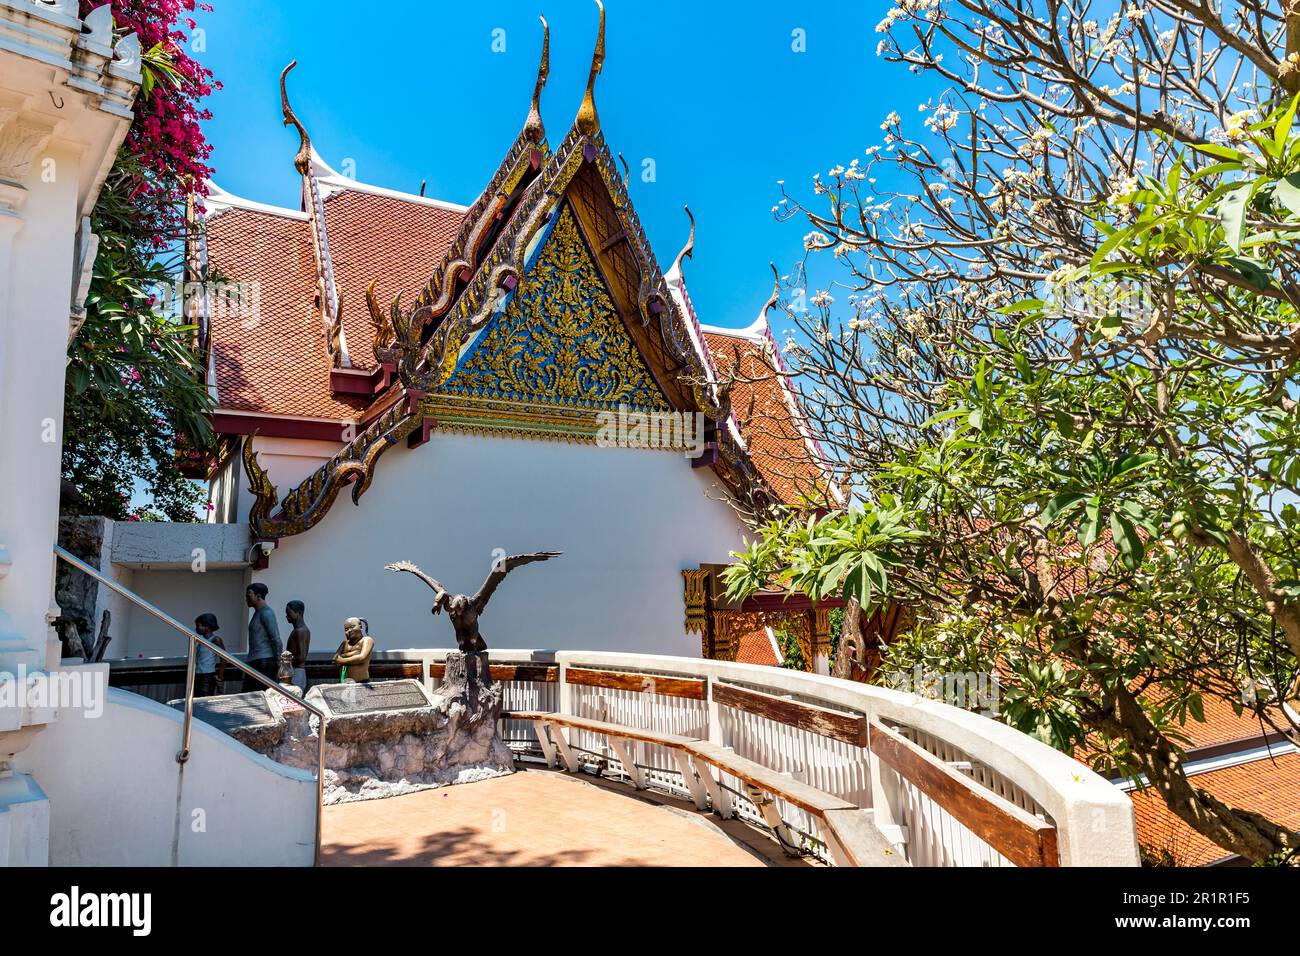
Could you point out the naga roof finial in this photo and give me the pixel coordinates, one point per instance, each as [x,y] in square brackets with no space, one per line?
[776,292]
[533,128]
[587,121]
[688,250]
[303,160]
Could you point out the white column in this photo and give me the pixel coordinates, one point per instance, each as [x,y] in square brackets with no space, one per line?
[36,252]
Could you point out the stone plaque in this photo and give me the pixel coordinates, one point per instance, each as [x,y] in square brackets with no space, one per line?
[233,711]
[375,697]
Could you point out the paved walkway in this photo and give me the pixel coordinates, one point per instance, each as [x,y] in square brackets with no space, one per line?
[538,818]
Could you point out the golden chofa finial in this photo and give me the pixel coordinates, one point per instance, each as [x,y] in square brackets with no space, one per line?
[533,127]
[688,250]
[303,160]
[588,122]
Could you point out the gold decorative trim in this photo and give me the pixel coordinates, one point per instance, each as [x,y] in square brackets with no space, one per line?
[821,631]
[587,119]
[307,504]
[533,127]
[560,341]
[694,581]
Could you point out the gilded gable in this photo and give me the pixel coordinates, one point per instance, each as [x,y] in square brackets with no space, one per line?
[560,340]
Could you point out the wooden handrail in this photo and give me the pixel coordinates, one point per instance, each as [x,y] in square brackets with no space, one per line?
[1018,835]
[691,688]
[836,724]
[537,673]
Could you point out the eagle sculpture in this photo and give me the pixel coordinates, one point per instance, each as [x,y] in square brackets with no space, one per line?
[464,610]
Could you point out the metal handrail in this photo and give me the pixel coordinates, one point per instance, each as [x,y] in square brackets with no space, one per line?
[194,640]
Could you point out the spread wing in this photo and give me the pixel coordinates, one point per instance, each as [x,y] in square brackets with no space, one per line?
[501,568]
[439,591]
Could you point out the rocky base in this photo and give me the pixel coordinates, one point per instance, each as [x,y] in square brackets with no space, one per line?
[373,755]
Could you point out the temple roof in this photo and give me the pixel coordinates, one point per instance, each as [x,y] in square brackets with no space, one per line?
[278,365]
[1267,785]
[768,414]
[312,362]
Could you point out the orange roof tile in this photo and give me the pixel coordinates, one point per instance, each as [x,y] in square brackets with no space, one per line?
[1222,725]
[396,242]
[1270,787]
[756,648]
[761,405]
[275,362]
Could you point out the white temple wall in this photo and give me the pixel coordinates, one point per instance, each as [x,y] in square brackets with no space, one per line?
[627,520]
[184,595]
[33,343]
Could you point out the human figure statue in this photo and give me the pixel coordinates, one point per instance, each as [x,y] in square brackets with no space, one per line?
[209,669]
[354,653]
[299,643]
[464,610]
[264,645]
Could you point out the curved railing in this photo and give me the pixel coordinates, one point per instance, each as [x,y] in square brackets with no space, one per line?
[948,786]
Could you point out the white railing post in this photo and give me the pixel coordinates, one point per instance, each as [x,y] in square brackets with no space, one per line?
[885,811]
[712,708]
[566,689]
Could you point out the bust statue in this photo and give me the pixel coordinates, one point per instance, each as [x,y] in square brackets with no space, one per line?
[354,653]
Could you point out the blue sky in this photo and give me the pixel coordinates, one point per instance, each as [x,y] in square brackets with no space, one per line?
[712,92]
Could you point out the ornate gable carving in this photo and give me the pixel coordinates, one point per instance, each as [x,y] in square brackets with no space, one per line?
[560,343]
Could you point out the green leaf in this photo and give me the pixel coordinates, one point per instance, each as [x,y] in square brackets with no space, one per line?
[1232,216]
[1090,530]
[1024,305]
[1283,129]
[1131,463]
[1222,152]
[1287,192]
[1060,504]
[1127,542]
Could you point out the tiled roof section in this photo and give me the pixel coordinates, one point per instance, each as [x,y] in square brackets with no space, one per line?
[279,365]
[756,648]
[374,237]
[1267,786]
[274,361]
[776,445]
[1223,725]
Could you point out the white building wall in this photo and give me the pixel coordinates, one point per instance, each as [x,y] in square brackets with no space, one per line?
[32,349]
[627,520]
[184,595]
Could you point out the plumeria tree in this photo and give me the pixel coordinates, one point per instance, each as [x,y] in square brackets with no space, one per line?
[134,391]
[1061,387]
